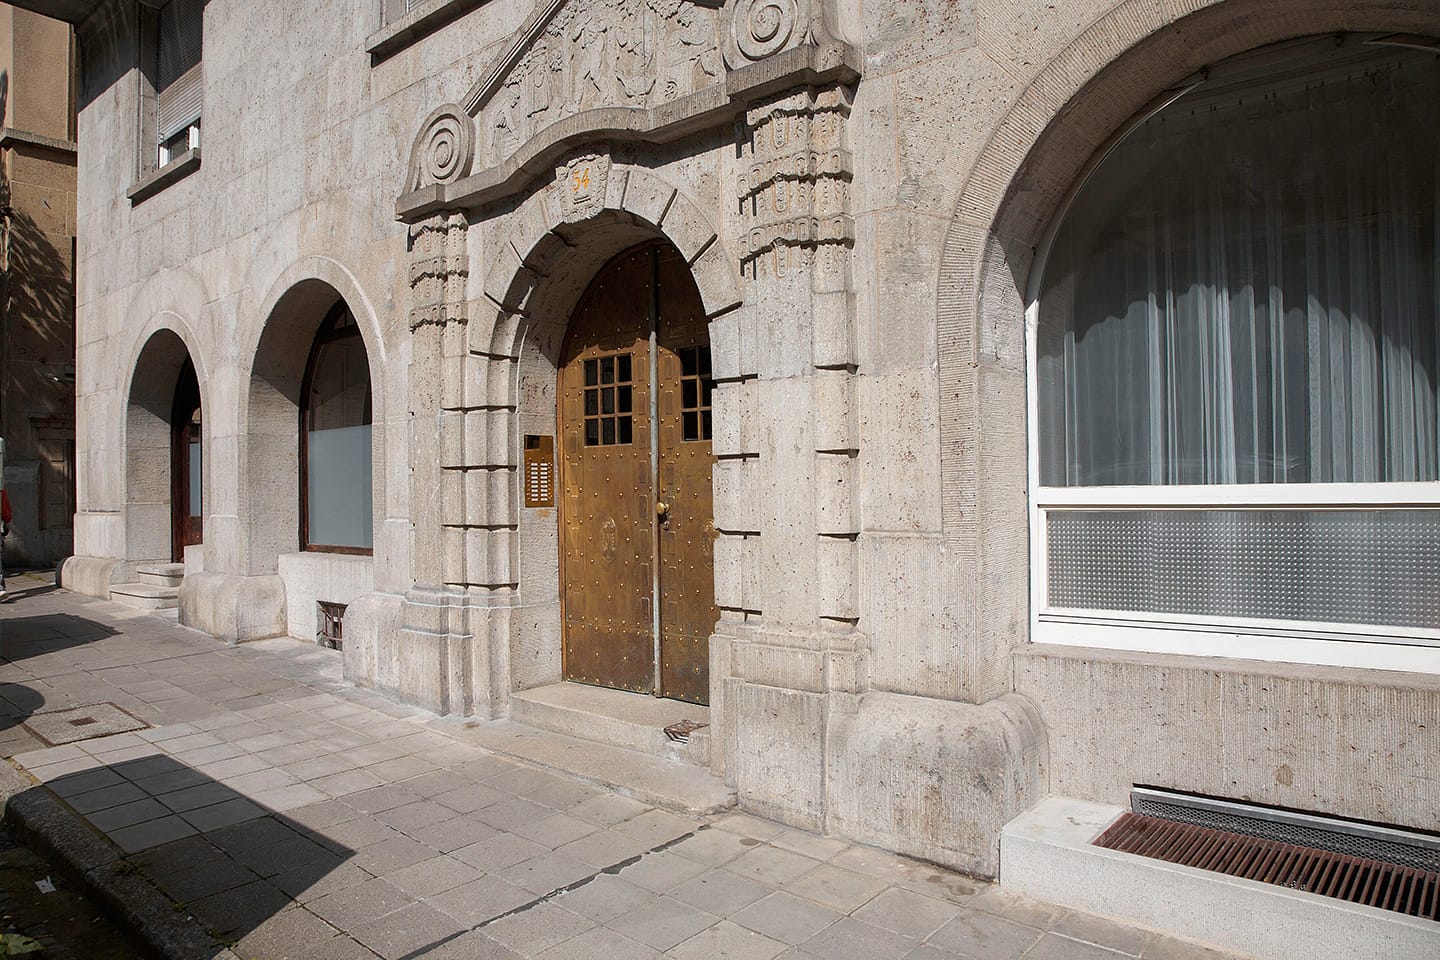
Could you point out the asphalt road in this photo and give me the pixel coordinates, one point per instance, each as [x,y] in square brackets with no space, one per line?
[67,924]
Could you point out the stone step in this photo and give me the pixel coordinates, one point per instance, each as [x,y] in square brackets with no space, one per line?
[145,596]
[632,721]
[161,574]
[680,787]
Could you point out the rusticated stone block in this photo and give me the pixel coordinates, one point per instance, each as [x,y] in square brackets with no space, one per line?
[233,608]
[372,620]
[935,779]
[779,756]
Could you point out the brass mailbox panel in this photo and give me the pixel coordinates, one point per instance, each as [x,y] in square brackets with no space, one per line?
[539,471]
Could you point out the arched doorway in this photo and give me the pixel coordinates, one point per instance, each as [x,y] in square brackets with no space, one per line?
[187,466]
[163,452]
[637,521]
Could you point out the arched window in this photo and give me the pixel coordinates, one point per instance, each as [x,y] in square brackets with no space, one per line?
[335,486]
[1235,382]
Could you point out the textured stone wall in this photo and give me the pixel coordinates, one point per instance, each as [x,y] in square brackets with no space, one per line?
[858,189]
[1351,743]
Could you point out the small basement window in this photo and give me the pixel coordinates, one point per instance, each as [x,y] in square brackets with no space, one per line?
[330,620]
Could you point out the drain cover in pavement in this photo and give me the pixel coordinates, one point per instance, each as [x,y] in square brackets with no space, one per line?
[82,723]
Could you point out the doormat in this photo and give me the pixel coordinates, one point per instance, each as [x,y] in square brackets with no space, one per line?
[82,723]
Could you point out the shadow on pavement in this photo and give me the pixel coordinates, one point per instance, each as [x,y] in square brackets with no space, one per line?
[24,637]
[233,865]
[18,703]
[36,591]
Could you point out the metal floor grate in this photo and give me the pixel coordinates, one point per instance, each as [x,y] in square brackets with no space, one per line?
[1368,841]
[1374,883]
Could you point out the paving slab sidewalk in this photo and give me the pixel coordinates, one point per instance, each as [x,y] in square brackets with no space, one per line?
[293,815]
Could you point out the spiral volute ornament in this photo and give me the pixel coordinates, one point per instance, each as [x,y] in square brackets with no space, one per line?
[444,150]
[763,27]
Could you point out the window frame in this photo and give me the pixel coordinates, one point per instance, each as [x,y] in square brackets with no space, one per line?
[156,165]
[326,333]
[1307,642]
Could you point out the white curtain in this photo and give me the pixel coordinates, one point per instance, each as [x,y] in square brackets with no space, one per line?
[1246,289]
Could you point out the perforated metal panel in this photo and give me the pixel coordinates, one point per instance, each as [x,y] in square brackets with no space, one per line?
[539,470]
[1337,566]
[1372,842]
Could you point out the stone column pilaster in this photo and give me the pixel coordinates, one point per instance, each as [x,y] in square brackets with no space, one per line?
[787,463]
[457,505]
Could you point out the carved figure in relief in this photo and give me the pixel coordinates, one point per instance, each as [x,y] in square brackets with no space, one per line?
[634,55]
[587,66]
[603,53]
[507,132]
[690,63]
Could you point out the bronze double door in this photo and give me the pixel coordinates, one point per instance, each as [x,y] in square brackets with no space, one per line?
[637,521]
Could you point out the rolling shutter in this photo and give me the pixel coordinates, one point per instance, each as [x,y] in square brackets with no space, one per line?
[179,83]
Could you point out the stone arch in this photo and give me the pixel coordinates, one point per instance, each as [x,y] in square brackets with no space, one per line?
[1035,155]
[543,265]
[536,274]
[150,395]
[294,307]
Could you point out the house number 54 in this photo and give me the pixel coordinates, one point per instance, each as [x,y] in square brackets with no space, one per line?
[582,180]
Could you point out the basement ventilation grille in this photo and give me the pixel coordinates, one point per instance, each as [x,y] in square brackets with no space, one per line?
[1351,838]
[1296,851]
[330,623]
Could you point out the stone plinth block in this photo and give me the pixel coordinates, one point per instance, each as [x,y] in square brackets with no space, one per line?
[91,576]
[233,608]
[779,755]
[422,667]
[935,779]
[372,621]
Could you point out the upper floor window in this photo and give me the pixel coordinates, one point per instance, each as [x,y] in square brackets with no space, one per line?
[336,498]
[179,85]
[1237,370]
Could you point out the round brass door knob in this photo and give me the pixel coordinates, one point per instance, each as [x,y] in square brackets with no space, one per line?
[661,508]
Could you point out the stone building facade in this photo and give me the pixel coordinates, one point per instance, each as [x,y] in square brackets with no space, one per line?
[37,286]
[858,199]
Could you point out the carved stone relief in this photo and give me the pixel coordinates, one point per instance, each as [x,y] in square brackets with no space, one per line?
[444,150]
[573,56]
[582,182]
[601,53]
[757,29]
[795,192]
[439,268]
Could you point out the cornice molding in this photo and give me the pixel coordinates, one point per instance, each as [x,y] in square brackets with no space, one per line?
[712,107]
[11,137]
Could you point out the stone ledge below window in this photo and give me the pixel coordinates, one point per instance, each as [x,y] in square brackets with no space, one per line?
[425,19]
[11,138]
[177,169]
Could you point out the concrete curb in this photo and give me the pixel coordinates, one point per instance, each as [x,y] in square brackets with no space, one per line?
[49,827]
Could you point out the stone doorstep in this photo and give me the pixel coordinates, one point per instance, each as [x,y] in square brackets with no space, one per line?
[1047,854]
[145,596]
[679,787]
[161,574]
[616,718]
[58,834]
